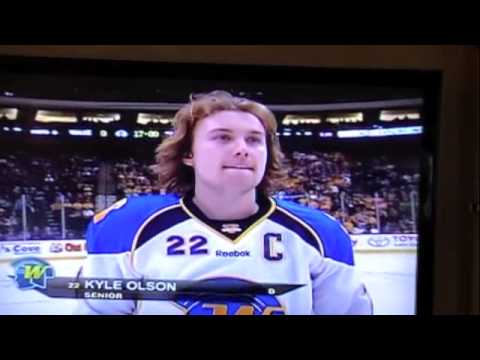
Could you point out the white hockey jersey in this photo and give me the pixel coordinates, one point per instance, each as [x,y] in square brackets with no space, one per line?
[166,237]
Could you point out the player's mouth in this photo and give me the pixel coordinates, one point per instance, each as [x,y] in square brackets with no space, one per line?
[239,167]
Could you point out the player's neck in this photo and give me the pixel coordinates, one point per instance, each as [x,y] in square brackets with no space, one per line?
[217,205]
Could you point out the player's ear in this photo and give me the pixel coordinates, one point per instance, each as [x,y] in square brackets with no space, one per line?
[188,159]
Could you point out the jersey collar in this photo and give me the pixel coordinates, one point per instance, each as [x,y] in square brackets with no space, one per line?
[231,230]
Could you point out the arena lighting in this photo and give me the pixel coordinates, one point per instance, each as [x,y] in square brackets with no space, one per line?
[104,118]
[47,116]
[300,120]
[346,118]
[9,113]
[405,114]
[147,118]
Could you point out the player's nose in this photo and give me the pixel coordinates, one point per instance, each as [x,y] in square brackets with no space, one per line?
[241,148]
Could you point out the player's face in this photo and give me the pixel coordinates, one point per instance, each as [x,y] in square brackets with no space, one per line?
[229,151]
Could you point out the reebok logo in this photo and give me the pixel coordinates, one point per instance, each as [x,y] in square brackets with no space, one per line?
[235,253]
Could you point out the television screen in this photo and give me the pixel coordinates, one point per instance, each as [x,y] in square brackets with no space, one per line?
[154,188]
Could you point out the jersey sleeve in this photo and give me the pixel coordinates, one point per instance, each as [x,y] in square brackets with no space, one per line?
[338,244]
[335,239]
[338,289]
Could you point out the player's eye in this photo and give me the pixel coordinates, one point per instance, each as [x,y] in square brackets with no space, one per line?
[254,140]
[222,137]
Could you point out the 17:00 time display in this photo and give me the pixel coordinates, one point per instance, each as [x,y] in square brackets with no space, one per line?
[151,134]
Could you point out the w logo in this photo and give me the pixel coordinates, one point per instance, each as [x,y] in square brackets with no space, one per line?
[32,273]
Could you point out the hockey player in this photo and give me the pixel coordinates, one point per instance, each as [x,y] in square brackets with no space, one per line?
[218,225]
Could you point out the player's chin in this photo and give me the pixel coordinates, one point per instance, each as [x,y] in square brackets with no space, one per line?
[241,182]
[238,173]
[241,177]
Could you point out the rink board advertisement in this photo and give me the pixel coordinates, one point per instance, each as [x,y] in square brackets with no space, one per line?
[77,248]
[384,242]
[43,249]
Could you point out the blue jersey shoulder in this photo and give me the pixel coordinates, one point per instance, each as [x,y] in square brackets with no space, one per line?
[335,239]
[113,229]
